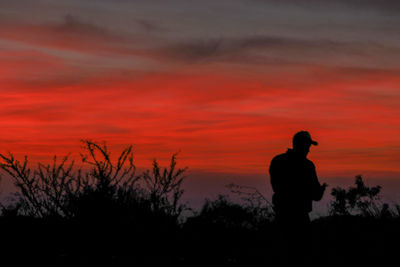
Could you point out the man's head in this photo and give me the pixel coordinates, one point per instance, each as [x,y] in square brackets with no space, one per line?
[302,142]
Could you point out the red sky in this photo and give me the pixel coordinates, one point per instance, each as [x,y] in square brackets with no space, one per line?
[225,84]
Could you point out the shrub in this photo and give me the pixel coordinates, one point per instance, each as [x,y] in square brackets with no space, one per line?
[99,188]
[359,200]
[255,202]
[253,212]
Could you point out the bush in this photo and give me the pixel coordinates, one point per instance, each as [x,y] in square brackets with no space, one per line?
[253,213]
[100,188]
[359,200]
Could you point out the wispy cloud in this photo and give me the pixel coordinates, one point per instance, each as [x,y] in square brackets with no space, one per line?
[272,50]
[387,6]
[70,34]
[227,90]
[151,26]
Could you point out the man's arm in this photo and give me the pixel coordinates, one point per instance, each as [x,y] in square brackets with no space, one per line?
[317,190]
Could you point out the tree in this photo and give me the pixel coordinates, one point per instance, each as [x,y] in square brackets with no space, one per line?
[361,200]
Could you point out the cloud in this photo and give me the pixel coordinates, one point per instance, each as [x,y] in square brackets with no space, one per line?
[71,34]
[386,6]
[74,25]
[265,50]
[278,75]
[153,45]
[150,26]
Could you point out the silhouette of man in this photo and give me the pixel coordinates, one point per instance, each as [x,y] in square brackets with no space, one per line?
[295,185]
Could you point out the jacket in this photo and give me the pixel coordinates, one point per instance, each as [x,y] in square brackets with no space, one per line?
[294,182]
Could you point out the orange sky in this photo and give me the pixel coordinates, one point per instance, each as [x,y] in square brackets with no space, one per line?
[228,97]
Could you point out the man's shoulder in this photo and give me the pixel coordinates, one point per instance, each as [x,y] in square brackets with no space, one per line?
[280,157]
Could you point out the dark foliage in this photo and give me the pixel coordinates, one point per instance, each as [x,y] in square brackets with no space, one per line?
[163,188]
[104,213]
[228,233]
[360,200]
[99,188]
[101,212]
[255,202]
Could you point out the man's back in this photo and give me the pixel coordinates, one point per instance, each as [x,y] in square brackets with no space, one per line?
[294,182]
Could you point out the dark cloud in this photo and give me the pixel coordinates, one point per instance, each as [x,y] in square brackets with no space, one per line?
[195,50]
[384,6]
[73,25]
[380,5]
[250,49]
[150,26]
[74,34]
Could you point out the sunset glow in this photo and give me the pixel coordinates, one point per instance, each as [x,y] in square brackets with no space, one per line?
[226,85]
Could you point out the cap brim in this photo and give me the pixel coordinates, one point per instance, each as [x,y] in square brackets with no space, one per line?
[315,143]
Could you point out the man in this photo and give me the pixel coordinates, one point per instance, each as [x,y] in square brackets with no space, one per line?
[295,185]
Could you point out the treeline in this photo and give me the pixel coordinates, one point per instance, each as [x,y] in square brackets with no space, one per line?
[105,212]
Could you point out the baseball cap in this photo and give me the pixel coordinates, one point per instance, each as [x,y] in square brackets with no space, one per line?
[304,137]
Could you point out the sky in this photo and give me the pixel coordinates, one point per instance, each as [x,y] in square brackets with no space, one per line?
[224,83]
